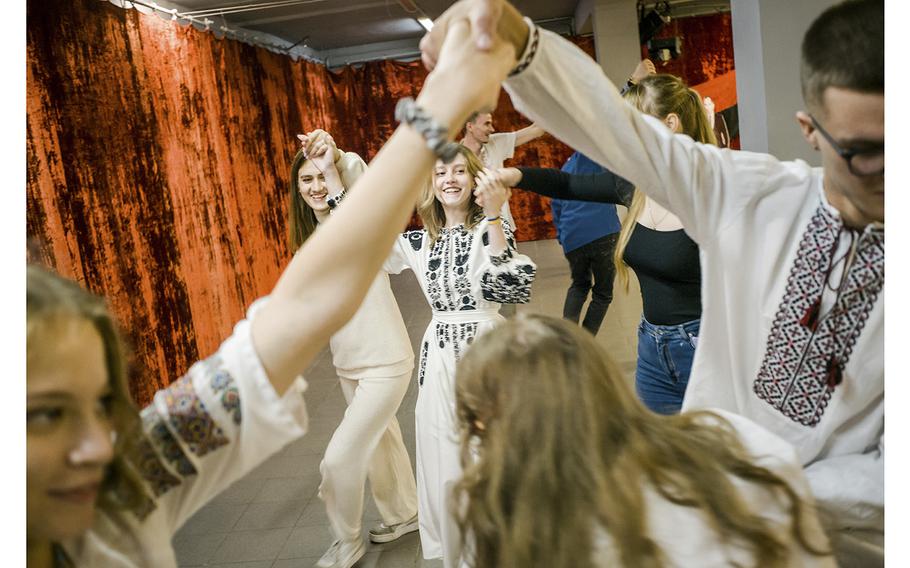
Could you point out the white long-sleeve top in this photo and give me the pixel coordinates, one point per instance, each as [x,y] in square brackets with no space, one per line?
[202,433]
[375,342]
[768,237]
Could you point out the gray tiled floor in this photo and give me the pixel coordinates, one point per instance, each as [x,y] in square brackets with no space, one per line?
[273,518]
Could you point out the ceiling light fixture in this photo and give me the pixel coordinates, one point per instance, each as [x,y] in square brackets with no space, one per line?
[427,23]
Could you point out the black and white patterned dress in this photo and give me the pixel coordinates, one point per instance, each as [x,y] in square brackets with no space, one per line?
[464,285]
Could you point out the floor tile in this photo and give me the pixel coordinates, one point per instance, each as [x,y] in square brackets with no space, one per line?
[216,517]
[252,545]
[196,550]
[272,515]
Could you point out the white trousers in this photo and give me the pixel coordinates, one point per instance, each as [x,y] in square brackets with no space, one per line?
[368,441]
[438,445]
[438,471]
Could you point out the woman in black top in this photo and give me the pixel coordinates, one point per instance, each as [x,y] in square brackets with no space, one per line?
[652,242]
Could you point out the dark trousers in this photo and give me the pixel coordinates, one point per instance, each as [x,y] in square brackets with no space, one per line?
[592,271]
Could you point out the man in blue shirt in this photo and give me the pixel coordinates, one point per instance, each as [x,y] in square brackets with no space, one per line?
[588,233]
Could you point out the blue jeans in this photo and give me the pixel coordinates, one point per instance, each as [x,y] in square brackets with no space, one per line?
[665,355]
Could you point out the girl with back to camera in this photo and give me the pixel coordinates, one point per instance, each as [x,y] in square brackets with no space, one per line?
[565,468]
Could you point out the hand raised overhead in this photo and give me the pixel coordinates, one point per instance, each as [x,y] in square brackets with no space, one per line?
[464,77]
[489,20]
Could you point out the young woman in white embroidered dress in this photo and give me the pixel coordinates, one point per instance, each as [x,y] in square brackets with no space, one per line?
[373,358]
[465,262]
[565,468]
[97,499]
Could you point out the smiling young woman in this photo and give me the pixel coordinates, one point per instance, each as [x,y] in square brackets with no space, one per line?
[373,358]
[465,261]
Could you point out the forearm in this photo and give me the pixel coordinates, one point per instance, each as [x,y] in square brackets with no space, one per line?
[567,93]
[333,183]
[528,133]
[497,236]
[600,188]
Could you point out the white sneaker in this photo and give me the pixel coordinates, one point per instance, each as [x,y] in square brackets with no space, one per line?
[342,554]
[384,533]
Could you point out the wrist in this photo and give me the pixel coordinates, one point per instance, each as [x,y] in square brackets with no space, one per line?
[330,171]
[513,176]
[513,29]
[443,103]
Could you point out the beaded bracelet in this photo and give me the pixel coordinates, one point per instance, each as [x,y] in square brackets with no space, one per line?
[407,111]
[335,200]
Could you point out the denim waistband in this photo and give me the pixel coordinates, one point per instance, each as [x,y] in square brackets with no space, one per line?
[684,329]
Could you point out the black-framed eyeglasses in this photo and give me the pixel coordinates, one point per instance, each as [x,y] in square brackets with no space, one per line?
[864,163]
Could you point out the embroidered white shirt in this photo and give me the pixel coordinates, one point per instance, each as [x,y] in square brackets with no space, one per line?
[750,215]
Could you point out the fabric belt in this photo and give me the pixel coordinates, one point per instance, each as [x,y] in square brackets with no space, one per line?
[467,316]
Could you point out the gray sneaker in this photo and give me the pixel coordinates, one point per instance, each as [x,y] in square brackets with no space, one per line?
[385,533]
[343,554]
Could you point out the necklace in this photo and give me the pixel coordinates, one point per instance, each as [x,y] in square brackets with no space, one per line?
[655,224]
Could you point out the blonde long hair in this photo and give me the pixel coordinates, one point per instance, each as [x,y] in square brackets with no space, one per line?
[660,95]
[430,210]
[556,444]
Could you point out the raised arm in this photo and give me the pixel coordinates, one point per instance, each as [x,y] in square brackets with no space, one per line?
[603,187]
[566,92]
[528,133]
[491,193]
[316,294]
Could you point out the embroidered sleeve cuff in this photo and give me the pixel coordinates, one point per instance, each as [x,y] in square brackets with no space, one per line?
[502,258]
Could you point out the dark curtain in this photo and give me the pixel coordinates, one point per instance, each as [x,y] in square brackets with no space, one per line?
[157,160]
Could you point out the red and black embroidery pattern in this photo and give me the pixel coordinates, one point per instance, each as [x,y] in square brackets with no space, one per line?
[802,358]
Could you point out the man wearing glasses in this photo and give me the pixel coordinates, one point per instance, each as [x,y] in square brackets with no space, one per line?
[793,262]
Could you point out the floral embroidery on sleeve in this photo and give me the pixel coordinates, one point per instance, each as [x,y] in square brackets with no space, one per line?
[190,419]
[167,445]
[147,462]
[223,384]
